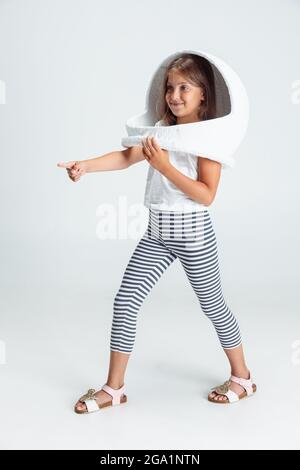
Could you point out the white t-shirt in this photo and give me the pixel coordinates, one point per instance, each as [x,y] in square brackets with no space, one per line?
[161,194]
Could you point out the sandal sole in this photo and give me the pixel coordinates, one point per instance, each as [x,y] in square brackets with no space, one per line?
[102,405]
[227,402]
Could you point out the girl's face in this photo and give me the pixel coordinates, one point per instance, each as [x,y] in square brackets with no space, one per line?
[183,98]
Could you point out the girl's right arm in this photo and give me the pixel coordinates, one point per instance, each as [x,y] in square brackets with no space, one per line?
[118,160]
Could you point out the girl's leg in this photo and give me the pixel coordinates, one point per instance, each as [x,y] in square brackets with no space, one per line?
[198,253]
[148,262]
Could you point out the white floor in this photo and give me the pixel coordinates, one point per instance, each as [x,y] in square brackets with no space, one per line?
[57,346]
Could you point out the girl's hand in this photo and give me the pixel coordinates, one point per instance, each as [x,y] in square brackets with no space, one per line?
[157,157]
[75,169]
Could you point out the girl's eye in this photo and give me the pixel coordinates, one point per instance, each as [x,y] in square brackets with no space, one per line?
[184,86]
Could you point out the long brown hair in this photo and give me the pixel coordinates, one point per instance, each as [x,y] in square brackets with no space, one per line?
[199,71]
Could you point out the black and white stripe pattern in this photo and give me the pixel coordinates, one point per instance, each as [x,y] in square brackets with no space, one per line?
[189,236]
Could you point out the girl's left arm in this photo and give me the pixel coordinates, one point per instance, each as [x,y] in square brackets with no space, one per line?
[202,190]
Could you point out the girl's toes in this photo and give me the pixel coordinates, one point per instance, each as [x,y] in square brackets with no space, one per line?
[217,396]
[80,406]
[221,397]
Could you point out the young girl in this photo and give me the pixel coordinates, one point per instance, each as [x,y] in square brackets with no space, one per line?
[192,95]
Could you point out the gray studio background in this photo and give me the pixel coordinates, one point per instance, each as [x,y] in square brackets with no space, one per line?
[72,73]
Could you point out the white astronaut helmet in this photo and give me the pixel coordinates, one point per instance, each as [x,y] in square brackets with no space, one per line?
[215,138]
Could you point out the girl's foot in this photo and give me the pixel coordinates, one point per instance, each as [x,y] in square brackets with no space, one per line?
[233,386]
[101,398]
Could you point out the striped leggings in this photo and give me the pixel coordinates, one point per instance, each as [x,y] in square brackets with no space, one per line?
[189,236]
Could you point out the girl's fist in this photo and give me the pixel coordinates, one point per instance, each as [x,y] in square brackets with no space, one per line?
[75,169]
[156,156]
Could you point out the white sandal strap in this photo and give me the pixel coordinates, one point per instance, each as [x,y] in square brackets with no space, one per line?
[232,396]
[91,405]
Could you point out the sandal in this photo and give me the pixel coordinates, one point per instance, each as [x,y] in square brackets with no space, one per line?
[89,399]
[232,396]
